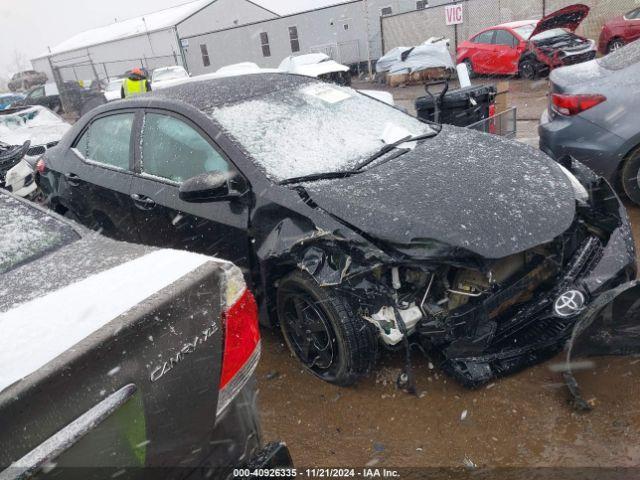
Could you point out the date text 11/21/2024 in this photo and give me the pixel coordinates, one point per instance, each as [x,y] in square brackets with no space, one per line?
[316,473]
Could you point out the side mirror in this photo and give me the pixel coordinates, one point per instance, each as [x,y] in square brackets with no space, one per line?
[212,187]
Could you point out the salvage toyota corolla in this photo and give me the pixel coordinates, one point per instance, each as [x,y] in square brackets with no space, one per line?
[356,224]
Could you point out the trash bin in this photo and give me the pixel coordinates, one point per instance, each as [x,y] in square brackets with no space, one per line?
[461,107]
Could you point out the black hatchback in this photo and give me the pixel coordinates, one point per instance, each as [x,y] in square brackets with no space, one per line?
[357,225]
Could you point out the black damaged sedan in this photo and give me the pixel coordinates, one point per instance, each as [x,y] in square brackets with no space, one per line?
[357,225]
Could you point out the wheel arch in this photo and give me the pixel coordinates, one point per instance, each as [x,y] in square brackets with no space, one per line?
[630,151]
[613,38]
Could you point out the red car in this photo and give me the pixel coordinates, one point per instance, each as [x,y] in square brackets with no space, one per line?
[618,32]
[531,47]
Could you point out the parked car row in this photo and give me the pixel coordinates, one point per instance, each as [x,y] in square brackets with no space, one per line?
[531,48]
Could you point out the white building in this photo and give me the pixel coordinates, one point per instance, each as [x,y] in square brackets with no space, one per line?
[204,35]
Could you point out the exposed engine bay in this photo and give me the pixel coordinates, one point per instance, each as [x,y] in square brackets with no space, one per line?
[483,318]
[564,49]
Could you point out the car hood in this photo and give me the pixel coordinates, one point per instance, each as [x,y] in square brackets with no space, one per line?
[37,135]
[462,188]
[569,17]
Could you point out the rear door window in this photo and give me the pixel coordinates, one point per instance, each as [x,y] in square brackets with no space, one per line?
[108,141]
[173,150]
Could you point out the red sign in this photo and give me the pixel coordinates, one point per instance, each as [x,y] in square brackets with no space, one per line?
[453,14]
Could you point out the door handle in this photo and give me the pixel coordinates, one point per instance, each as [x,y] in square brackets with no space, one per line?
[72,179]
[143,202]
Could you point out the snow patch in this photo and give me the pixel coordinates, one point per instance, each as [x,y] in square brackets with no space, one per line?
[38,331]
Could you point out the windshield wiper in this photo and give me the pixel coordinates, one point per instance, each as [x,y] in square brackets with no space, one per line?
[358,168]
[391,146]
[318,176]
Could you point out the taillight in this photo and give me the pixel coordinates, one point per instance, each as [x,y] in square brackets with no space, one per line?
[241,340]
[570,105]
[41,165]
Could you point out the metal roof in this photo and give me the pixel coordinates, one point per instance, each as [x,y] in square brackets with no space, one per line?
[170,17]
[152,22]
[290,7]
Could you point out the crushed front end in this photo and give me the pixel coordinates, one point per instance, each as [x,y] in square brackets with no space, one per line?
[484,318]
[520,310]
[563,50]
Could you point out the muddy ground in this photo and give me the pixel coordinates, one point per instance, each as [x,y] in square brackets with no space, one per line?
[520,421]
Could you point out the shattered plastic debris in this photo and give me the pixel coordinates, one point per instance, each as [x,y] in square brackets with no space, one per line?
[611,326]
[467,462]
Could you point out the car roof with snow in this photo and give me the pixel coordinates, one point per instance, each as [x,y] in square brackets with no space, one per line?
[208,93]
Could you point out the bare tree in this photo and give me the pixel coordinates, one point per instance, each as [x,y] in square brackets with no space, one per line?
[19,61]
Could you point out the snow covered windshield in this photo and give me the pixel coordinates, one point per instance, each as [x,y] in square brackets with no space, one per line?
[525,31]
[27,233]
[316,128]
[553,33]
[30,117]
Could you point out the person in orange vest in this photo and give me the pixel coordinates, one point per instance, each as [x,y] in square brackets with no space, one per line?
[136,83]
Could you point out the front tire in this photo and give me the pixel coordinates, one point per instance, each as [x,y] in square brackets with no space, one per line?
[323,332]
[527,70]
[615,44]
[630,176]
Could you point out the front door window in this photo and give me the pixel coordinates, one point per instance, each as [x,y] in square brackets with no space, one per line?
[173,150]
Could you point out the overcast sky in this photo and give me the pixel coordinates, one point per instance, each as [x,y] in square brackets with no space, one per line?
[30,26]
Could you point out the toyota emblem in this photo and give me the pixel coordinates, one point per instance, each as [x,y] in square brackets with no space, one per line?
[569,303]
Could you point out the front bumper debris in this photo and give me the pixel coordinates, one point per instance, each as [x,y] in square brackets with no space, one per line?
[611,326]
[536,332]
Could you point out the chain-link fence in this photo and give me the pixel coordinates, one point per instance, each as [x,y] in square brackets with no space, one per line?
[342,52]
[81,81]
[413,28]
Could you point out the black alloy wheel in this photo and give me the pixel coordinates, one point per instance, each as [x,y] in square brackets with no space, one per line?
[323,332]
[527,70]
[309,332]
